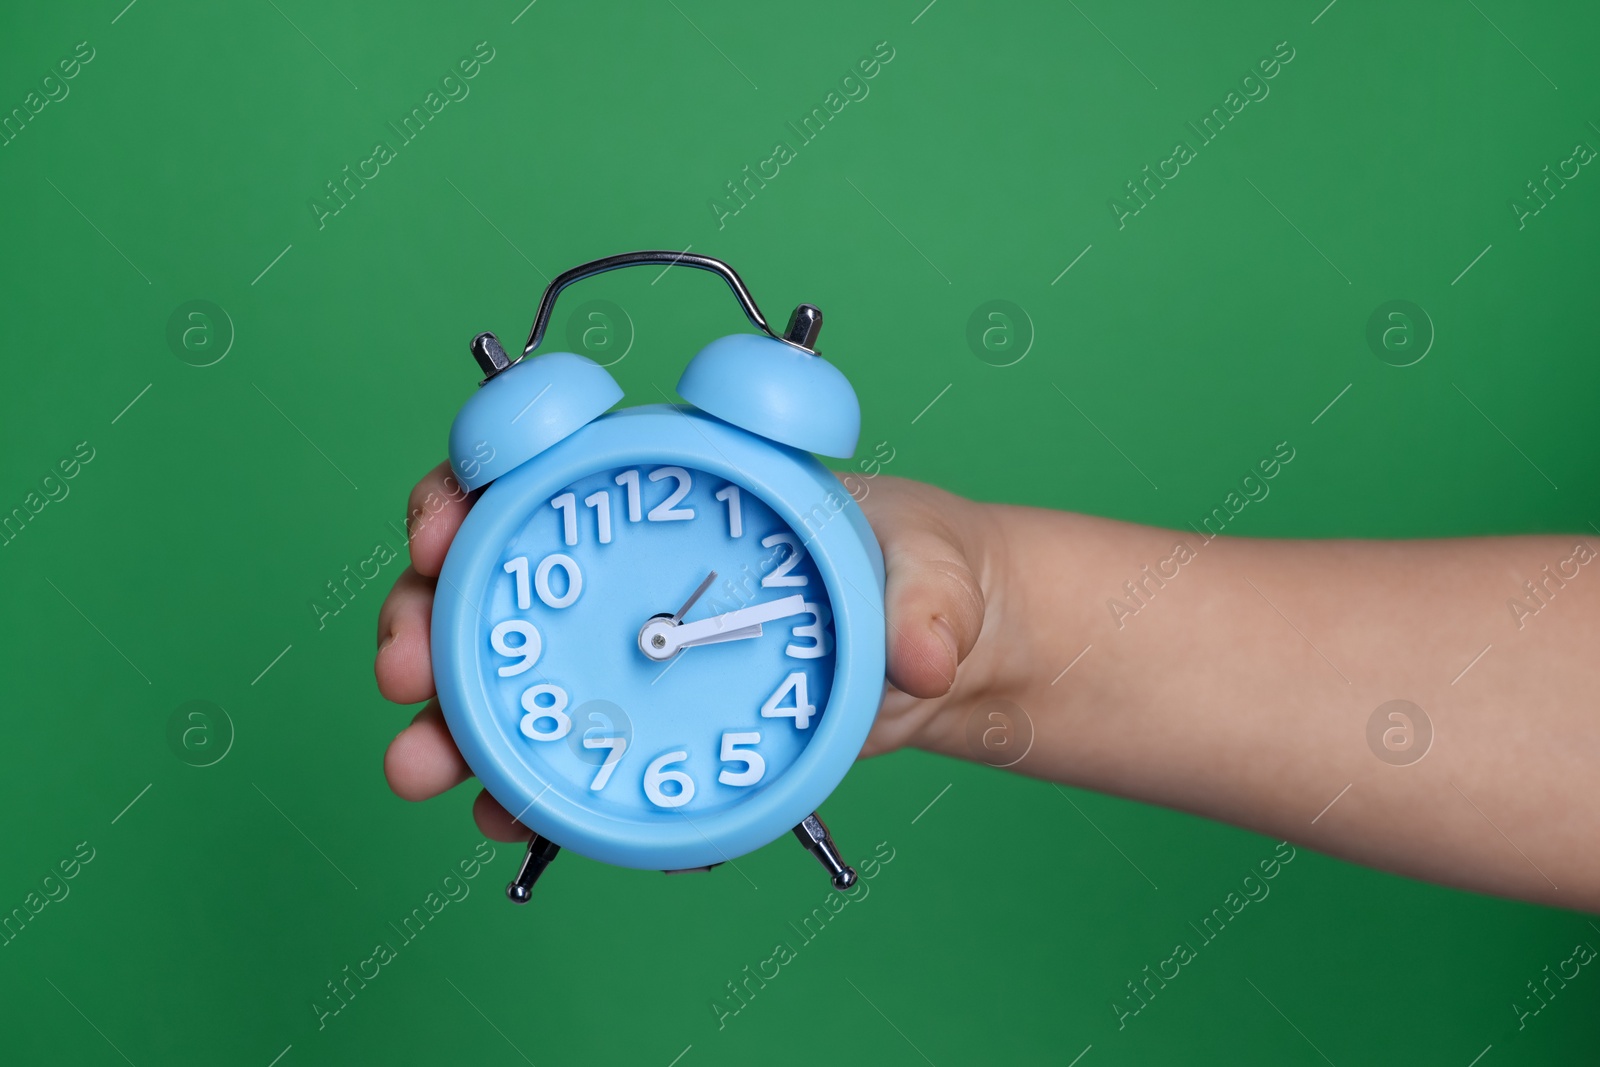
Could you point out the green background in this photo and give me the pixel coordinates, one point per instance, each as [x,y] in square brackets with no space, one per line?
[1223,318]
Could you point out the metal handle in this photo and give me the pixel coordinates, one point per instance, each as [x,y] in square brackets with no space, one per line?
[804,325]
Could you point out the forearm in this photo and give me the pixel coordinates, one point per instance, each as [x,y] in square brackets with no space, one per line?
[1235,678]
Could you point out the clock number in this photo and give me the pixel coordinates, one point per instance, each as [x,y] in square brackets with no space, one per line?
[601,502]
[800,712]
[617,745]
[567,504]
[737,748]
[528,648]
[518,569]
[780,575]
[730,496]
[668,510]
[629,480]
[556,711]
[817,630]
[541,580]
[656,773]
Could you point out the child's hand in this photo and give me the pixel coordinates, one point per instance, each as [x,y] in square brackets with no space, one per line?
[937,554]
[1195,689]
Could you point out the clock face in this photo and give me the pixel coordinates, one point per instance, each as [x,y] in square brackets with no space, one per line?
[607,694]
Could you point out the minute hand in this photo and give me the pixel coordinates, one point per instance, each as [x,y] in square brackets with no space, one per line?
[746,622]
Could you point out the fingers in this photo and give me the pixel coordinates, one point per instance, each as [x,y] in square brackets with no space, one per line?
[496,822]
[935,601]
[935,609]
[902,719]
[437,507]
[404,665]
[422,760]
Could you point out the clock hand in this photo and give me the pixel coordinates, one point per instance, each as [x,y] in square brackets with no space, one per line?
[654,628]
[715,638]
[694,596]
[732,635]
[660,638]
[718,627]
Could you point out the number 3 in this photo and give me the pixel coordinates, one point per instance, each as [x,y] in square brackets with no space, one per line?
[816,630]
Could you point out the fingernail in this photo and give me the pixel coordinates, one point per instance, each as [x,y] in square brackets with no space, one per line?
[386,642]
[944,633]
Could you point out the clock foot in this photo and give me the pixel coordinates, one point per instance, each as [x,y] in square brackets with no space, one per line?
[814,835]
[540,852]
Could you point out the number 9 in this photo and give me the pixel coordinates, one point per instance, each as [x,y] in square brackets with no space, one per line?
[529,648]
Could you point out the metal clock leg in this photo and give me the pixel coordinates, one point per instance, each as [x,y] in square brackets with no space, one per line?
[540,852]
[814,835]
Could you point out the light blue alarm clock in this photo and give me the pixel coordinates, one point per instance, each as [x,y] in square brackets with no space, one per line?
[658,638]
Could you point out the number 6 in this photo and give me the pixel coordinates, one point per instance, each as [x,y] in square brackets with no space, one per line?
[656,773]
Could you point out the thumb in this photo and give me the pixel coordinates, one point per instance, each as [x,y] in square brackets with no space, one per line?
[935,602]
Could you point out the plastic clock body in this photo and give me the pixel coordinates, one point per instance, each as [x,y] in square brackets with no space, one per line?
[658,636]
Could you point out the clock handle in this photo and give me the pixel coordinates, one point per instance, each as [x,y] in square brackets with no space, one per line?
[540,852]
[813,834]
[804,324]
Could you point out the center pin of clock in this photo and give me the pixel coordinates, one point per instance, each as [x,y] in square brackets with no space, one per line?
[656,647]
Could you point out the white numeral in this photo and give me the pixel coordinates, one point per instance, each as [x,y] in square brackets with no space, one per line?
[802,710]
[780,575]
[555,710]
[541,580]
[617,745]
[601,502]
[528,649]
[567,504]
[657,773]
[735,521]
[518,568]
[630,481]
[668,510]
[732,752]
[817,631]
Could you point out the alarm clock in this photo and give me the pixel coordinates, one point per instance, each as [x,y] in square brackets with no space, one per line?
[658,637]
